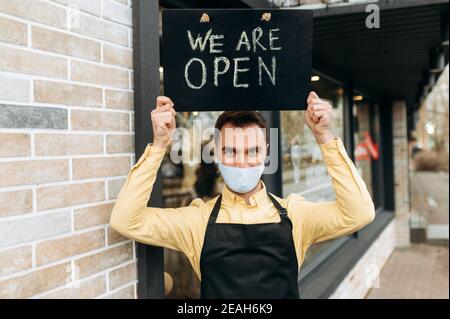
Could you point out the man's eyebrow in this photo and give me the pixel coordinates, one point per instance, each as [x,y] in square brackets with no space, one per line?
[228,148]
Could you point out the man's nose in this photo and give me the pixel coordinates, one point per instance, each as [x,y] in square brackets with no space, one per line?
[241,164]
[240,161]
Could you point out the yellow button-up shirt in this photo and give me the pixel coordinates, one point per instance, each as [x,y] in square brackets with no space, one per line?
[183,228]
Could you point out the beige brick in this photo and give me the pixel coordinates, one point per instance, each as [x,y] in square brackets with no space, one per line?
[33,172]
[15,144]
[87,289]
[61,248]
[132,122]
[132,80]
[100,75]
[22,230]
[311,1]
[124,293]
[103,260]
[67,144]
[84,168]
[119,100]
[118,56]
[14,88]
[67,94]
[35,282]
[121,276]
[15,260]
[131,39]
[13,31]
[100,29]
[69,195]
[100,121]
[36,10]
[114,237]
[62,43]
[89,6]
[114,11]
[15,60]
[120,143]
[92,216]
[114,187]
[16,202]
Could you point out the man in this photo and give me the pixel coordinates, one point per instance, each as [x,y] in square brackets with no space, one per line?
[245,243]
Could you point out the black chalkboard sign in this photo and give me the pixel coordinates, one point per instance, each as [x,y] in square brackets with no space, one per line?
[237,59]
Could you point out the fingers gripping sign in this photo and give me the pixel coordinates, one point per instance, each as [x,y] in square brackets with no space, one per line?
[163,121]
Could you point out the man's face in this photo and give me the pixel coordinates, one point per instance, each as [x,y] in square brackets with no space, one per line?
[242,146]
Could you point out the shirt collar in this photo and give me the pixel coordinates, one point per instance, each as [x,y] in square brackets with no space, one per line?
[260,198]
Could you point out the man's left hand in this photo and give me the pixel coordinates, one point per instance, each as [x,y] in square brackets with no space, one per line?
[318,117]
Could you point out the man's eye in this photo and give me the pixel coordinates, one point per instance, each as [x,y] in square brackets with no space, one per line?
[253,152]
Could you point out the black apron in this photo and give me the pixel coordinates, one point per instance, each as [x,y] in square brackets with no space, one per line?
[249,260]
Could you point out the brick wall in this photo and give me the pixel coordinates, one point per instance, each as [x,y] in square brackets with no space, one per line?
[401,173]
[66,132]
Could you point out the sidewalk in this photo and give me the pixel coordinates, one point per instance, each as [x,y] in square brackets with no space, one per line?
[420,271]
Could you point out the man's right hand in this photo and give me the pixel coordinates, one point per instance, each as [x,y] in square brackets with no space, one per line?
[163,121]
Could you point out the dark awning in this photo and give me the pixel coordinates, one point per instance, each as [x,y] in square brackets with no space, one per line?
[393,60]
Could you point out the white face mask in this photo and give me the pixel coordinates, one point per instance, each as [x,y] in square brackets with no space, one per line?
[241,180]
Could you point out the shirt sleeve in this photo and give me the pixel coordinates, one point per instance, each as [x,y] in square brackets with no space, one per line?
[352,210]
[173,228]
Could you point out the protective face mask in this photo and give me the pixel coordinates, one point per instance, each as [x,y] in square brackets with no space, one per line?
[241,180]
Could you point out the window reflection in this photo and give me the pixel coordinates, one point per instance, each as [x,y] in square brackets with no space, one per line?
[304,171]
[183,182]
[366,142]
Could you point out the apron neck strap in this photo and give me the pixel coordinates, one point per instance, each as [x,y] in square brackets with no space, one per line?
[215,211]
[281,209]
[212,218]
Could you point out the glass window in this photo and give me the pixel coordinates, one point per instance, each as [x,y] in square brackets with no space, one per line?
[304,171]
[182,183]
[366,137]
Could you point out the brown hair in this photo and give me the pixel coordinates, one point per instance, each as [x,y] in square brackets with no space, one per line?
[242,119]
